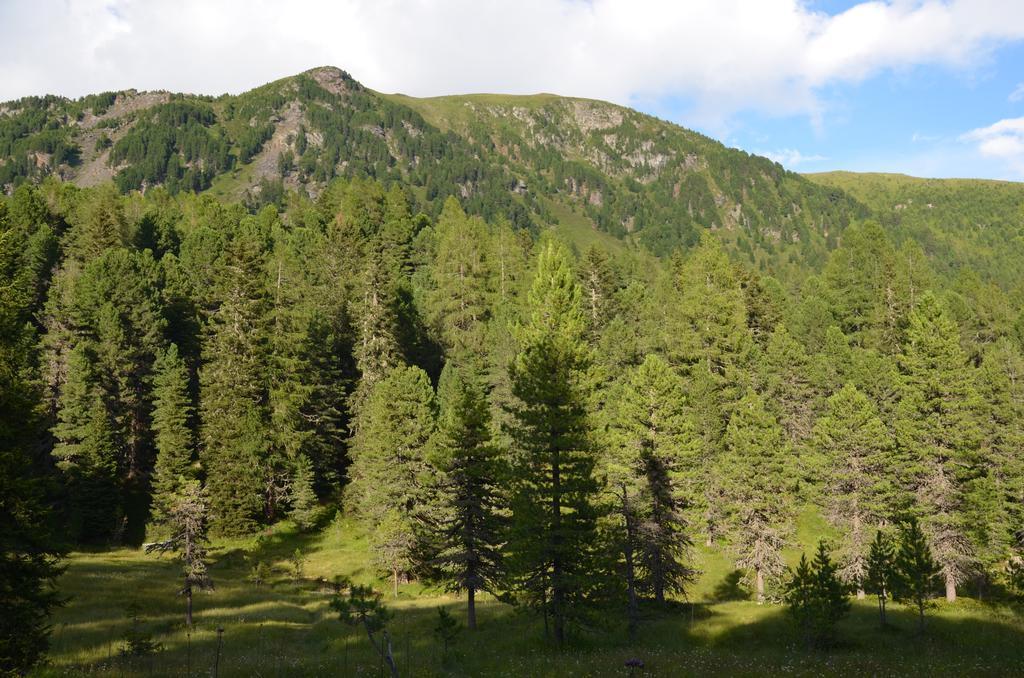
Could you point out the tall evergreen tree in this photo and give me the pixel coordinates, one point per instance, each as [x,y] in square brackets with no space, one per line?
[468,531]
[652,470]
[996,495]
[880,576]
[87,454]
[460,300]
[29,554]
[857,482]
[754,476]
[937,430]
[917,570]
[233,386]
[172,425]
[390,474]
[187,517]
[554,542]
[710,340]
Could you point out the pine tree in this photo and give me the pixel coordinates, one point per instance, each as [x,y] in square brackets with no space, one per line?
[598,281]
[753,480]
[305,507]
[554,539]
[187,518]
[880,574]
[651,464]
[469,531]
[996,495]
[937,429]
[363,608]
[377,348]
[172,426]
[87,454]
[917,570]
[859,279]
[460,299]
[857,482]
[233,390]
[708,337]
[787,385]
[816,598]
[29,555]
[390,474]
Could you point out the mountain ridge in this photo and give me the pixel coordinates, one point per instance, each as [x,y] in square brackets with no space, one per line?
[536,160]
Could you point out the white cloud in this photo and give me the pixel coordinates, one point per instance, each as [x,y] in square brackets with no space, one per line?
[790,157]
[772,56]
[1017,94]
[1003,140]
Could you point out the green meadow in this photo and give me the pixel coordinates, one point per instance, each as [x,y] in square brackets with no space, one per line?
[285,626]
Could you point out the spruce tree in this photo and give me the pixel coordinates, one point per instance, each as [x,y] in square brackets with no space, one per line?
[304,504]
[996,494]
[857,482]
[173,434]
[651,464]
[187,517]
[460,299]
[937,428]
[598,281]
[754,482]
[554,542]
[880,574]
[787,385]
[708,337]
[378,349]
[390,473]
[816,598]
[468,530]
[29,554]
[917,571]
[234,389]
[87,454]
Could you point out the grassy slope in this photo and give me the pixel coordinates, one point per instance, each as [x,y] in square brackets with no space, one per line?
[287,628]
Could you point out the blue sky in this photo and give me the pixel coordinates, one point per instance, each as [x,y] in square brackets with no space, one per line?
[916,86]
[910,120]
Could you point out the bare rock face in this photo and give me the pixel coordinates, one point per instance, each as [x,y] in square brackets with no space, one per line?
[331,79]
[591,116]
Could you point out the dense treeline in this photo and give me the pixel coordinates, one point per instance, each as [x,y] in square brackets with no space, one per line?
[505,414]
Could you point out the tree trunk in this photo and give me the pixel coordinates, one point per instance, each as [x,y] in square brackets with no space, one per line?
[389,657]
[631,591]
[881,608]
[632,607]
[759,579]
[471,608]
[950,589]
[860,593]
[557,585]
[188,605]
[394,579]
[384,649]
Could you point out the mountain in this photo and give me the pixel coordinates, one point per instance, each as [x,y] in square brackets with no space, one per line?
[536,159]
[959,223]
[584,166]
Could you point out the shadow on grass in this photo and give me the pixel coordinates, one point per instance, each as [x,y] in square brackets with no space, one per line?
[956,641]
[730,588]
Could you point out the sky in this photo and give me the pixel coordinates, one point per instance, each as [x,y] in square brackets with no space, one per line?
[925,87]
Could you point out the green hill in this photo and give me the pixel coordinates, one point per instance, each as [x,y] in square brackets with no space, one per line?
[628,174]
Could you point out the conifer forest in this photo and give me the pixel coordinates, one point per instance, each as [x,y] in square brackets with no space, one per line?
[317,381]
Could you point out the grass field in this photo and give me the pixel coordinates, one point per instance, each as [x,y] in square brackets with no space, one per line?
[286,628]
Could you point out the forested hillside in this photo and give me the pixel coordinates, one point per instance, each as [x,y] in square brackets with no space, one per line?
[325,300]
[530,159]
